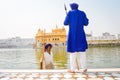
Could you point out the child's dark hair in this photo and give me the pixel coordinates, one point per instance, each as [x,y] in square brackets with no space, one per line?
[47,45]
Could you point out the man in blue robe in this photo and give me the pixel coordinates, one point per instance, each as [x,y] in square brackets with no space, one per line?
[76,42]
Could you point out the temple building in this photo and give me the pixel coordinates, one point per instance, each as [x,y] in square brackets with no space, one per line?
[57,36]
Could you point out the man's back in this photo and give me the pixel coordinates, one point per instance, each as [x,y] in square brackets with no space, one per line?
[76,20]
[76,17]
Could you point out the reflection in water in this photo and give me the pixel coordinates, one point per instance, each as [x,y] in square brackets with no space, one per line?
[60,58]
[97,57]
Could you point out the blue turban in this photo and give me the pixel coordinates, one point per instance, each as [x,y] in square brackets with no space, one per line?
[74,6]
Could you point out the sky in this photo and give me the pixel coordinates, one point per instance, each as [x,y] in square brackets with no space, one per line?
[22,18]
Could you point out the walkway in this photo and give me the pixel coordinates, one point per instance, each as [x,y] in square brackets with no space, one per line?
[92,74]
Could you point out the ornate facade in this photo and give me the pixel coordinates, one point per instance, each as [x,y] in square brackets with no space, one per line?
[58,35]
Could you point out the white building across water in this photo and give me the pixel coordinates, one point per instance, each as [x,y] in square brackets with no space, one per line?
[17,42]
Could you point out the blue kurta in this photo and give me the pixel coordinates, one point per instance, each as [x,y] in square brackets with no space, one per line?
[76,41]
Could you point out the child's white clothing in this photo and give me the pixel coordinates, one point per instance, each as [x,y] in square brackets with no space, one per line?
[48,60]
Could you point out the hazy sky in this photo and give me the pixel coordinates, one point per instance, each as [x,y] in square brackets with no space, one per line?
[24,17]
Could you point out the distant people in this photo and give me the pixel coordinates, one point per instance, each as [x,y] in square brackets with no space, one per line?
[76,42]
[48,57]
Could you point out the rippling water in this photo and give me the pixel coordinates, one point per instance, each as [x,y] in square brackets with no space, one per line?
[17,59]
[97,57]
